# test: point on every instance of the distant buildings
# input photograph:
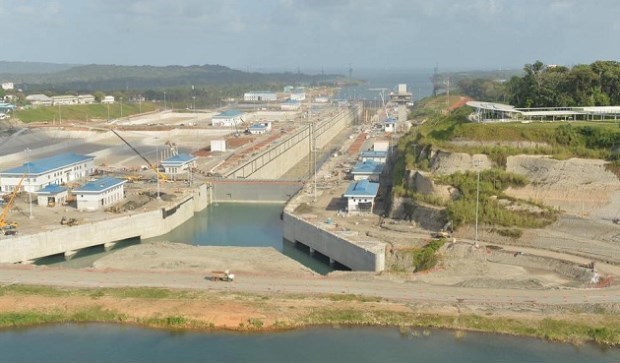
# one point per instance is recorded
(99, 193)
(39, 100)
(368, 169)
(298, 94)
(8, 86)
(64, 100)
(108, 100)
(39, 173)
(389, 124)
(228, 118)
(260, 96)
(86, 99)
(290, 105)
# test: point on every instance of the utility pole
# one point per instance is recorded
(29, 183)
(157, 169)
(477, 166)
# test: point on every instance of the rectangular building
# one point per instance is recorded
(260, 96)
(99, 193)
(290, 105)
(86, 99)
(39, 100)
(376, 156)
(361, 196)
(228, 118)
(59, 169)
(64, 100)
(368, 169)
(52, 195)
(179, 164)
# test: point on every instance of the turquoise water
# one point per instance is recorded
(112, 343)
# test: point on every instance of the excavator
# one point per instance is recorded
(160, 175)
(4, 224)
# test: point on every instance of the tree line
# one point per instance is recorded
(596, 84)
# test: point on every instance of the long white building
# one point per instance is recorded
(228, 118)
(39, 173)
(260, 96)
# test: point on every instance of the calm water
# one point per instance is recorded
(223, 224)
(418, 82)
(111, 343)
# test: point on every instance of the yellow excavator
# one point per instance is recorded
(4, 224)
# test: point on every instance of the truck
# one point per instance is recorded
(222, 276)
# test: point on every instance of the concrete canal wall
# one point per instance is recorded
(356, 255)
(254, 191)
(68, 240)
(275, 162)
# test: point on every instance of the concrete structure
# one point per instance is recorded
(367, 255)
(298, 94)
(99, 193)
(52, 195)
(260, 96)
(8, 86)
(290, 105)
(218, 145)
(64, 100)
(228, 118)
(389, 125)
(376, 156)
(499, 112)
(108, 99)
(381, 145)
(403, 99)
(368, 169)
(39, 100)
(61, 239)
(256, 191)
(276, 161)
(361, 196)
(39, 173)
(179, 164)
(86, 99)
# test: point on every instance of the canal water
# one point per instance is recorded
(223, 224)
(115, 343)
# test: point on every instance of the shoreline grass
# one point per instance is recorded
(354, 311)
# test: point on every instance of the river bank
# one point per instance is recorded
(188, 309)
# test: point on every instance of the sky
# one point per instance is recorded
(262, 35)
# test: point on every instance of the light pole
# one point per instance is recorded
(29, 182)
(59, 114)
(477, 199)
(121, 107)
(157, 168)
(164, 100)
(108, 112)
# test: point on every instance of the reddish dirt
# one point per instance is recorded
(460, 103)
(356, 146)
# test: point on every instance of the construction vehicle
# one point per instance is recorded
(4, 224)
(222, 276)
(64, 221)
(160, 175)
(445, 232)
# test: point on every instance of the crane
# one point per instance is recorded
(160, 175)
(7, 208)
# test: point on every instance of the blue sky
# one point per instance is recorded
(310, 34)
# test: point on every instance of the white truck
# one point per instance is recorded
(222, 276)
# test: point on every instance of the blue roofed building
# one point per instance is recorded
(372, 155)
(179, 164)
(37, 174)
(290, 105)
(389, 125)
(52, 195)
(369, 169)
(361, 196)
(228, 118)
(99, 193)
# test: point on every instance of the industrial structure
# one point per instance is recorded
(499, 112)
(228, 118)
(361, 196)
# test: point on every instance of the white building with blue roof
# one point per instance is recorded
(389, 125)
(58, 169)
(372, 155)
(99, 193)
(52, 195)
(369, 169)
(361, 196)
(179, 164)
(228, 118)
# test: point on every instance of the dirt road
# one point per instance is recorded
(365, 285)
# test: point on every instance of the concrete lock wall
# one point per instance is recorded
(356, 256)
(276, 161)
(254, 191)
(65, 239)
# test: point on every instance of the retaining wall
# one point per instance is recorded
(358, 256)
(65, 239)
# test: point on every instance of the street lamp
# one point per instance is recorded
(476, 164)
(157, 168)
(121, 107)
(29, 182)
(164, 100)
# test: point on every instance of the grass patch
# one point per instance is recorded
(426, 258)
(83, 112)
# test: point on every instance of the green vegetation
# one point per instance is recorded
(596, 84)
(83, 112)
(426, 258)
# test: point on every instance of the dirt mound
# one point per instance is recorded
(448, 163)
